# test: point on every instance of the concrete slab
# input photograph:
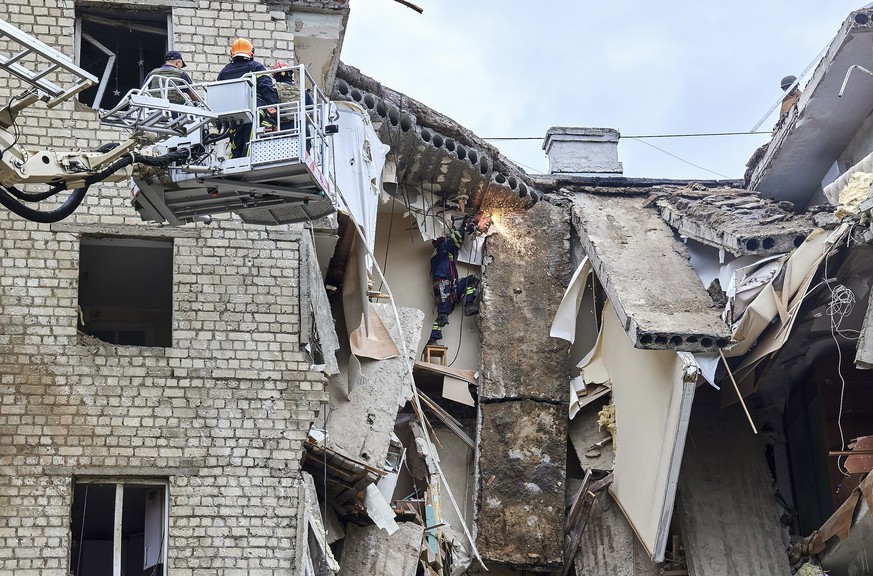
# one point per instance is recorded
(361, 427)
(727, 508)
(521, 484)
(524, 278)
(737, 221)
(370, 550)
(631, 247)
(609, 546)
(817, 131)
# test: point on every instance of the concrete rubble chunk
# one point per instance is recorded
(521, 484)
(727, 509)
(738, 223)
(361, 427)
(609, 545)
(313, 297)
(369, 550)
(523, 284)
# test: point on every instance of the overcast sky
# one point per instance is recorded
(507, 68)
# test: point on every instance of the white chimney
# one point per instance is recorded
(583, 151)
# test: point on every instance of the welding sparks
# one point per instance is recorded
(504, 216)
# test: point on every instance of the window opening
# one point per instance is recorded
(120, 47)
(119, 528)
(126, 290)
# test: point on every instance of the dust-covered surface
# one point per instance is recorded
(737, 221)
(522, 483)
(361, 426)
(524, 280)
(647, 275)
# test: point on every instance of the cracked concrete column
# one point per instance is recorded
(521, 456)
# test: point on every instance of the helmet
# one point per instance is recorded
(281, 64)
(242, 47)
(787, 82)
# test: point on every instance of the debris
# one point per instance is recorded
(606, 419)
(379, 511)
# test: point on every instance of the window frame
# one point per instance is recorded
(82, 11)
(120, 483)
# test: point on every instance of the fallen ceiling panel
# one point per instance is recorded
(631, 248)
(653, 391)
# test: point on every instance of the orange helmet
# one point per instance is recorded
(242, 47)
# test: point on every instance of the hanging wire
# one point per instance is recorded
(841, 304)
(683, 160)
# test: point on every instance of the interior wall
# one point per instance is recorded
(405, 261)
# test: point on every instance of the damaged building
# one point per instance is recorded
(638, 376)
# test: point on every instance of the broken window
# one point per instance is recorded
(119, 527)
(119, 47)
(126, 290)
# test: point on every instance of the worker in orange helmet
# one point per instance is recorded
(242, 62)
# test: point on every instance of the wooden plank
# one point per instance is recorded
(447, 419)
(578, 516)
(468, 376)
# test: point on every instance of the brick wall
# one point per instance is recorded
(221, 413)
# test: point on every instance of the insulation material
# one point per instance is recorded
(564, 324)
(653, 391)
(781, 296)
(359, 157)
(856, 191)
(833, 191)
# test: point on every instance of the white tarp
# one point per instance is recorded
(781, 296)
(653, 391)
(358, 157)
(564, 324)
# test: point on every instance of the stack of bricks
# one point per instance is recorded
(221, 413)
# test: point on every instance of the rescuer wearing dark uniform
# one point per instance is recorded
(242, 55)
(447, 287)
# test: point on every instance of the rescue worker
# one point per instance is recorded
(172, 68)
(288, 91)
(242, 54)
(791, 97)
(447, 287)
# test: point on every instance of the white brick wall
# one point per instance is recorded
(222, 413)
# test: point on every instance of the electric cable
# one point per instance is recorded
(841, 304)
(637, 137)
(683, 160)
